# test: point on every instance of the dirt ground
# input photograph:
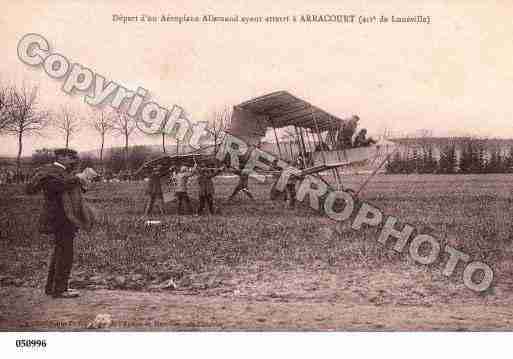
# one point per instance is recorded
(354, 301)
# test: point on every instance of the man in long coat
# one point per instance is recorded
(54, 180)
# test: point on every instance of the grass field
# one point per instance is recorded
(263, 250)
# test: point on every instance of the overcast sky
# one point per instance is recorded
(453, 76)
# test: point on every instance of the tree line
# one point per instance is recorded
(469, 156)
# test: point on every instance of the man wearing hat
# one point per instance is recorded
(54, 180)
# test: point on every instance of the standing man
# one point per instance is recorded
(361, 139)
(242, 186)
(181, 179)
(291, 184)
(291, 191)
(345, 135)
(54, 180)
(154, 191)
(206, 188)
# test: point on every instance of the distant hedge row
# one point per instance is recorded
(114, 162)
(470, 157)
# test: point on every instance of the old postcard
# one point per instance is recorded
(268, 166)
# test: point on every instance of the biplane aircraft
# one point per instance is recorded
(319, 139)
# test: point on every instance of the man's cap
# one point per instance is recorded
(65, 152)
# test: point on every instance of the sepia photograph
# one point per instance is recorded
(295, 167)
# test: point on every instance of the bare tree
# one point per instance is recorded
(123, 125)
(218, 122)
(4, 104)
(102, 123)
(26, 118)
(67, 123)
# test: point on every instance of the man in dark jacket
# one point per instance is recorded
(361, 139)
(346, 133)
(291, 190)
(54, 180)
(154, 191)
(206, 188)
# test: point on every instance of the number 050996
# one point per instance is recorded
(31, 343)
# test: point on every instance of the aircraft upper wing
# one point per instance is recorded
(251, 119)
(281, 109)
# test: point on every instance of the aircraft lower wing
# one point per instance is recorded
(311, 170)
(366, 157)
(187, 160)
(326, 167)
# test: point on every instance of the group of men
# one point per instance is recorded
(206, 187)
(204, 177)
